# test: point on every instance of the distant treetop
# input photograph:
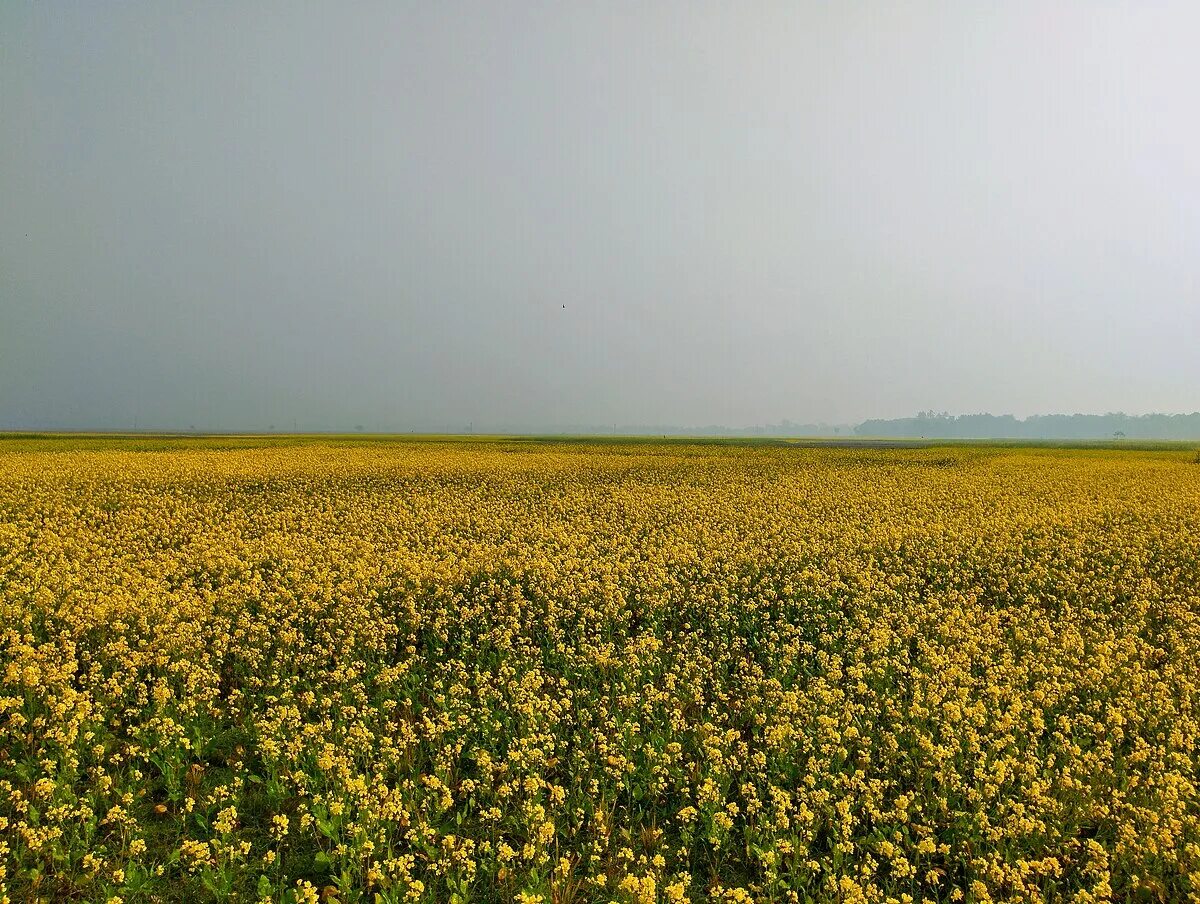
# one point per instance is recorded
(1038, 426)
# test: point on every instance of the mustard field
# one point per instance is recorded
(506, 671)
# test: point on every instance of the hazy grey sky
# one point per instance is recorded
(232, 215)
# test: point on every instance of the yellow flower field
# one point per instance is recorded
(506, 671)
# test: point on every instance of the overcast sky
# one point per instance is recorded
(320, 215)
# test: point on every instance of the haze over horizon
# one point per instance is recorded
(535, 214)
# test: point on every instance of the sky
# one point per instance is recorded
(417, 216)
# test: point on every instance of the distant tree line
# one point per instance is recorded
(1039, 426)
